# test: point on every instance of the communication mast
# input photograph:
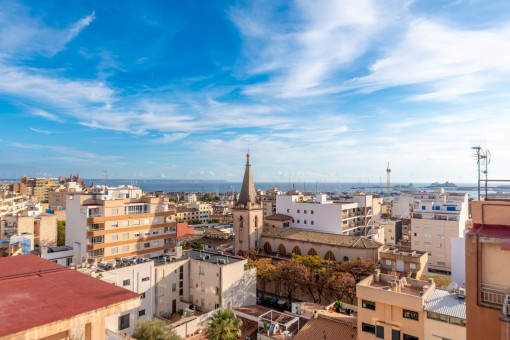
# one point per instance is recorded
(388, 202)
(482, 157)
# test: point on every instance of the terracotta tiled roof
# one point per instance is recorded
(278, 217)
(321, 328)
(318, 237)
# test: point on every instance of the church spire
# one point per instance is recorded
(248, 193)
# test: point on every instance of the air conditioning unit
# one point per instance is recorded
(462, 293)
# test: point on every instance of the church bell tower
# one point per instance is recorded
(248, 215)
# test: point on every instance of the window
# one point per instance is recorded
(288, 210)
(123, 321)
(427, 244)
(174, 287)
(305, 221)
(155, 232)
(125, 236)
(114, 224)
(125, 249)
(115, 211)
(395, 334)
(217, 290)
(440, 227)
(409, 314)
(450, 208)
(297, 221)
(453, 228)
(125, 223)
(147, 221)
(155, 243)
(311, 222)
(427, 226)
(457, 321)
(379, 332)
(412, 265)
(114, 237)
(202, 286)
(428, 235)
(141, 312)
(423, 207)
(145, 279)
(146, 244)
(440, 264)
(365, 327)
(409, 337)
(126, 282)
(137, 246)
(155, 220)
(298, 211)
(136, 234)
(143, 295)
(416, 226)
(201, 270)
(416, 234)
(416, 243)
(368, 304)
(441, 237)
(181, 292)
(114, 250)
(388, 262)
(147, 232)
(136, 222)
(304, 211)
(311, 211)
(440, 245)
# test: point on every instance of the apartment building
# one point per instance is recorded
(42, 186)
(403, 262)
(12, 203)
(269, 201)
(487, 272)
(106, 225)
(57, 197)
(337, 217)
(436, 218)
(187, 214)
(204, 210)
(43, 227)
(49, 301)
(179, 280)
(387, 231)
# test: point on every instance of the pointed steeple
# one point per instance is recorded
(248, 194)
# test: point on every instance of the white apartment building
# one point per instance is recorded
(436, 218)
(178, 281)
(191, 198)
(319, 214)
(11, 203)
(402, 206)
(204, 210)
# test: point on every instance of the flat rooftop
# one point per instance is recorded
(209, 257)
(35, 292)
(442, 302)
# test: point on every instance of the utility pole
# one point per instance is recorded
(388, 208)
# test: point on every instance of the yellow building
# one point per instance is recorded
(42, 186)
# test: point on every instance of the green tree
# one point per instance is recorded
(341, 285)
(196, 245)
(266, 271)
(154, 330)
(440, 280)
(61, 233)
(223, 325)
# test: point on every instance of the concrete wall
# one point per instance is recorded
(458, 256)
(239, 286)
(167, 276)
(76, 227)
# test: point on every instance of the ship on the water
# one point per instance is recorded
(442, 185)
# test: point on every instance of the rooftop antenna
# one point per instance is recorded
(388, 208)
(477, 155)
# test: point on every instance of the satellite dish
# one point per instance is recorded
(452, 287)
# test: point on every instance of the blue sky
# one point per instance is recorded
(318, 90)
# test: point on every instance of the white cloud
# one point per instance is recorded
(170, 138)
(452, 62)
(47, 115)
(42, 131)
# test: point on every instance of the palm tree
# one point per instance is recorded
(223, 325)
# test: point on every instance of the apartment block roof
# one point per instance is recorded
(320, 237)
(213, 258)
(35, 292)
(440, 301)
(325, 328)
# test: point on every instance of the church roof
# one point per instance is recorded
(319, 237)
(278, 217)
(248, 193)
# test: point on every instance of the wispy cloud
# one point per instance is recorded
(42, 131)
(64, 150)
(47, 115)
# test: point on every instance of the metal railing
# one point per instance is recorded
(493, 294)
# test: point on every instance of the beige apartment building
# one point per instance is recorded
(487, 271)
(408, 309)
(103, 227)
(436, 218)
(42, 186)
(405, 263)
(43, 227)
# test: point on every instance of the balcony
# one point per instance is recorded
(96, 253)
(493, 295)
(95, 227)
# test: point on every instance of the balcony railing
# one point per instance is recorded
(493, 294)
(95, 227)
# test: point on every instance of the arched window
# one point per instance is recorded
(267, 248)
(256, 222)
(312, 252)
(329, 256)
(281, 249)
(296, 250)
(241, 222)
